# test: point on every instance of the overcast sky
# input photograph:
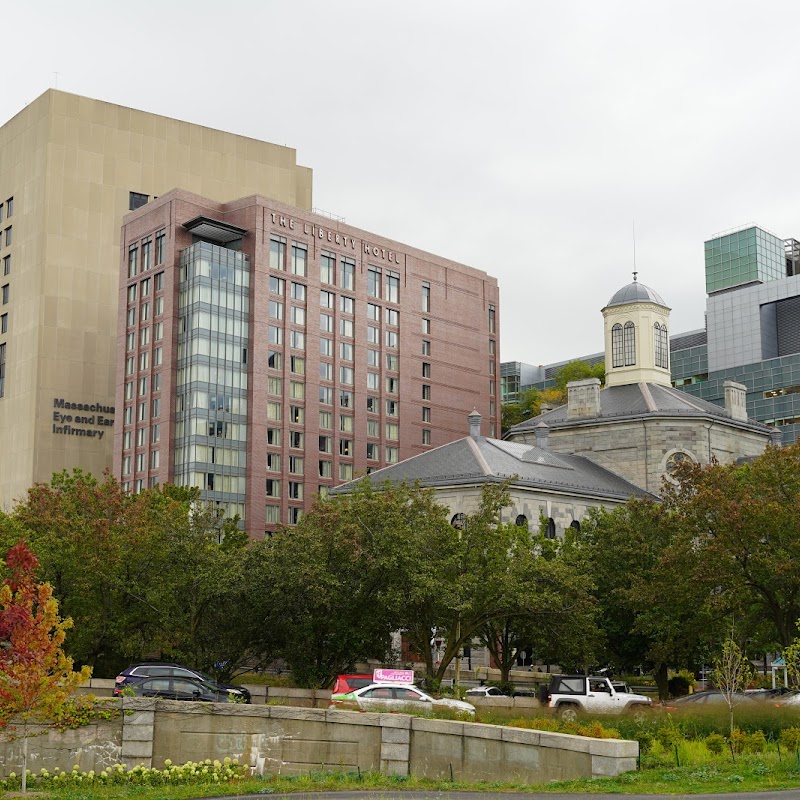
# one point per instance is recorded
(521, 138)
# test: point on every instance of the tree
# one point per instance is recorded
(526, 407)
(36, 676)
(732, 673)
(578, 371)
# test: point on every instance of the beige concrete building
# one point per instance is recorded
(70, 169)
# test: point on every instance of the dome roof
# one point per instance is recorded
(635, 293)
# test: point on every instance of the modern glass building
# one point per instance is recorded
(740, 257)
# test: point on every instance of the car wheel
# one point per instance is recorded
(568, 713)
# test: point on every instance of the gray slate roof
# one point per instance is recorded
(640, 400)
(481, 460)
(633, 293)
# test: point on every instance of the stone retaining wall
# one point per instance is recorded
(283, 740)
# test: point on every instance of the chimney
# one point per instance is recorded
(583, 399)
(776, 437)
(735, 399)
(474, 424)
(541, 431)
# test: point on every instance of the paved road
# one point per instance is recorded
(393, 794)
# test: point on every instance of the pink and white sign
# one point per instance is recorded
(393, 676)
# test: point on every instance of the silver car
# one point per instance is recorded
(397, 697)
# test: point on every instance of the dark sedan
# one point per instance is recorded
(163, 669)
(171, 688)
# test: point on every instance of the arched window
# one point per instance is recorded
(459, 521)
(629, 339)
(521, 521)
(661, 345)
(617, 358)
(575, 525)
(550, 531)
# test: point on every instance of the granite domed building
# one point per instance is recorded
(639, 426)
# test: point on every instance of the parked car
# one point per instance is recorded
(162, 669)
(485, 691)
(570, 694)
(397, 697)
(710, 697)
(349, 683)
(179, 688)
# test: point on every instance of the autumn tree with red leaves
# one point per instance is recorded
(36, 677)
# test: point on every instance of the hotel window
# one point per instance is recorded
(144, 361)
(325, 419)
(327, 299)
(373, 428)
(391, 339)
(147, 252)
(298, 315)
(617, 357)
(144, 337)
(273, 487)
(373, 335)
(9, 207)
(326, 469)
(426, 436)
(492, 347)
(392, 408)
(295, 514)
(275, 386)
(7, 265)
(141, 412)
(392, 431)
(275, 309)
(4, 323)
(158, 331)
(326, 394)
(159, 281)
(373, 282)
(142, 388)
(297, 365)
(326, 444)
(274, 410)
(373, 381)
(629, 343)
(346, 328)
(295, 490)
(373, 312)
(2, 369)
(392, 385)
(345, 423)
(426, 391)
(426, 347)
(347, 273)
(392, 287)
(130, 363)
(392, 455)
(326, 347)
(277, 285)
(297, 340)
(346, 304)
(346, 375)
(299, 292)
(154, 459)
(130, 341)
(491, 366)
(491, 407)
(492, 319)
(372, 405)
(8, 236)
(327, 268)
(373, 451)
(299, 259)
(345, 399)
(426, 297)
(140, 437)
(1, 212)
(297, 415)
(373, 358)
(345, 447)
(297, 390)
(160, 239)
(426, 369)
(133, 260)
(156, 407)
(274, 435)
(426, 326)
(296, 465)
(326, 323)
(345, 351)
(126, 465)
(126, 440)
(275, 359)
(144, 312)
(296, 439)
(158, 306)
(345, 472)
(158, 354)
(426, 414)
(272, 515)
(155, 433)
(132, 293)
(128, 415)
(392, 317)
(277, 252)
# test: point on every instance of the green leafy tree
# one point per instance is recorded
(732, 673)
(36, 677)
(578, 371)
(527, 407)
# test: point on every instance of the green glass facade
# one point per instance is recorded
(748, 256)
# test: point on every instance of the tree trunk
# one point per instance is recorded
(662, 679)
(25, 756)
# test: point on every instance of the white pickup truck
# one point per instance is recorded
(570, 695)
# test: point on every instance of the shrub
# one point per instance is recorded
(790, 739)
(756, 742)
(668, 737)
(715, 743)
(645, 740)
(679, 685)
(738, 739)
